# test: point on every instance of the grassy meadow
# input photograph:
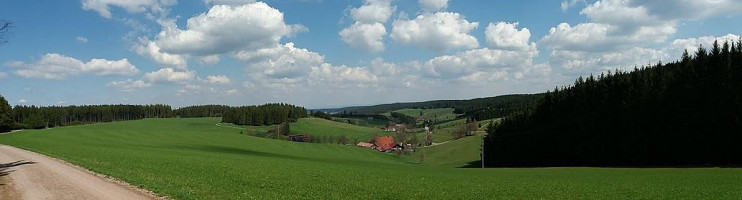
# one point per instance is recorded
(195, 159)
(317, 127)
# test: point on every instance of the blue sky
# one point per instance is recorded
(322, 53)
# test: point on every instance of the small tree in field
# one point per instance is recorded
(414, 141)
(471, 126)
(342, 139)
(402, 135)
(460, 133)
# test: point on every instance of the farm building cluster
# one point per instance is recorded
(384, 144)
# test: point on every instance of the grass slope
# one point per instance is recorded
(361, 121)
(318, 127)
(194, 159)
(457, 153)
(322, 127)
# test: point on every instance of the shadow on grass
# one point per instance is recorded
(473, 164)
(247, 152)
(5, 167)
(230, 150)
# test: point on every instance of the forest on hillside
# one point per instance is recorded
(267, 114)
(32, 117)
(684, 113)
(480, 108)
(201, 111)
(36, 117)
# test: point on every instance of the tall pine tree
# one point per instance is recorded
(6, 115)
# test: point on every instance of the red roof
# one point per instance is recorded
(384, 143)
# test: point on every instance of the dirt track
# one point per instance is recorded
(29, 175)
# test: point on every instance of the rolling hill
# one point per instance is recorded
(195, 159)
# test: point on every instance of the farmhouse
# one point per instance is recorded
(384, 144)
(392, 127)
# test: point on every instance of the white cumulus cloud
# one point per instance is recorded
(169, 75)
(373, 11)
(58, 67)
(129, 85)
(280, 62)
(566, 4)
(439, 32)
(226, 29)
(479, 64)
(209, 60)
(368, 31)
(220, 79)
(433, 5)
(365, 36)
(624, 24)
(152, 51)
(131, 6)
(506, 36)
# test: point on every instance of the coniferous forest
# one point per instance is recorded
(267, 114)
(32, 117)
(201, 111)
(684, 113)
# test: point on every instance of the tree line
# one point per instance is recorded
(201, 111)
(267, 114)
(399, 118)
(684, 113)
(34, 117)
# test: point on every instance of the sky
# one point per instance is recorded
(334, 53)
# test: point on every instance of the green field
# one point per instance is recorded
(459, 153)
(318, 127)
(362, 121)
(322, 127)
(195, 159)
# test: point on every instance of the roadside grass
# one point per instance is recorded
(194, 159)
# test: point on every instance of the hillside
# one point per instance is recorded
(685, 113)
(318, 127)
(321, 130)
(195, 159)
(504, 103)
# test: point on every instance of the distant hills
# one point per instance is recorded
(485, 107)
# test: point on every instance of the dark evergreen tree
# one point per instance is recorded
(268, 114)
(6, 116)
(676, 114)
